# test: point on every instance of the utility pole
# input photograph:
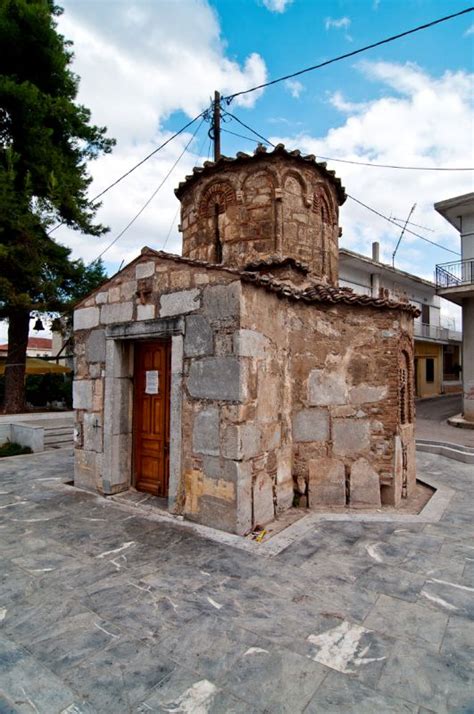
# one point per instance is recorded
(216, 126)
(401, 234)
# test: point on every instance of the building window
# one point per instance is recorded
(429, 375)
(425, 314)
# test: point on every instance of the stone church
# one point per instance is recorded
(238, 380)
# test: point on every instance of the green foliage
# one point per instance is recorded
(42, 389)
(11, 448)
(46, 138)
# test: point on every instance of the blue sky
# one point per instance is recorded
(147, 66)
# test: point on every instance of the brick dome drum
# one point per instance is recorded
(279, 204)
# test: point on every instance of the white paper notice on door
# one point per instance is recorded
(152, 381)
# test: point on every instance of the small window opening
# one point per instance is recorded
(217, 237)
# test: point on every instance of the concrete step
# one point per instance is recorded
(58, 432)
(58, 437)
(458, 452)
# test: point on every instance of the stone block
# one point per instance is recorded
(198, 337)
(241, 441)
(145, 270)
(350, 436)
(249, 343)
(221, 302)
(180, 302)
(101, 298)
(82, 394)
(87, 467)
(326, 388)
(263, 506)
(365, 393)
(128, 290)
(92, 432)
(206, 432)
(216, 513)
(86, 317)
(244, 498)
(311, 425)
(177, 355)
(146, 312)
(215, 378)
(117, 312)
(95, 346)
(327, 483)
(364, 485)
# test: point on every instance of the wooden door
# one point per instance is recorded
(151, 421)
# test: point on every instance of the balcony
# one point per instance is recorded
(435, 332)
(455, 281)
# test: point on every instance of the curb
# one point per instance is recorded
(458, 452)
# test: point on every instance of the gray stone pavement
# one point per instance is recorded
(431, 416)
(106, 610)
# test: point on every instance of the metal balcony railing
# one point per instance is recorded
(436, 332)
(452, 275)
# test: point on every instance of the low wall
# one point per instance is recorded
(28, 435)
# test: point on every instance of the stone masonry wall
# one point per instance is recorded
(337, 403)
(213, 393)
(265, 207)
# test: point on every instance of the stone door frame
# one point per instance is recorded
(118, 401)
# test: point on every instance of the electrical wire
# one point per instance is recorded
(200, 150)
(373, 210)
(241, 136)
(392, 166)
(345, 161)
(127, 173)
(249, 128)
(407, 230)
(385, 41)
(149, 200)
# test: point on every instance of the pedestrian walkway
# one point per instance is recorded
(105, 610)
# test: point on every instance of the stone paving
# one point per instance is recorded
(106, 610)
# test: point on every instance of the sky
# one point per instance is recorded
(149, 66)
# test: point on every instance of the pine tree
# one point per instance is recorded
(46, 139)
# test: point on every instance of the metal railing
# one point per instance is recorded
(449, 275)
(436, 332)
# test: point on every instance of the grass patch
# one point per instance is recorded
(11, 448)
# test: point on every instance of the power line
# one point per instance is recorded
(392, 166)
(385, 41)
(390, 220)
(127, 173)
(170, 171)
(200, 150)
(407, 230)
(241, 136)
(249, 128)
(345, 161)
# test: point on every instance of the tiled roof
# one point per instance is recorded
(274, 261)
(34, 343)
(211, 167)
(315, 293)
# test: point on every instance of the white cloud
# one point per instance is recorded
(139, 65)
(294, 87)
(469, 31)
(417, 120)
(339, 102)
(277, 5)
(341, 23)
